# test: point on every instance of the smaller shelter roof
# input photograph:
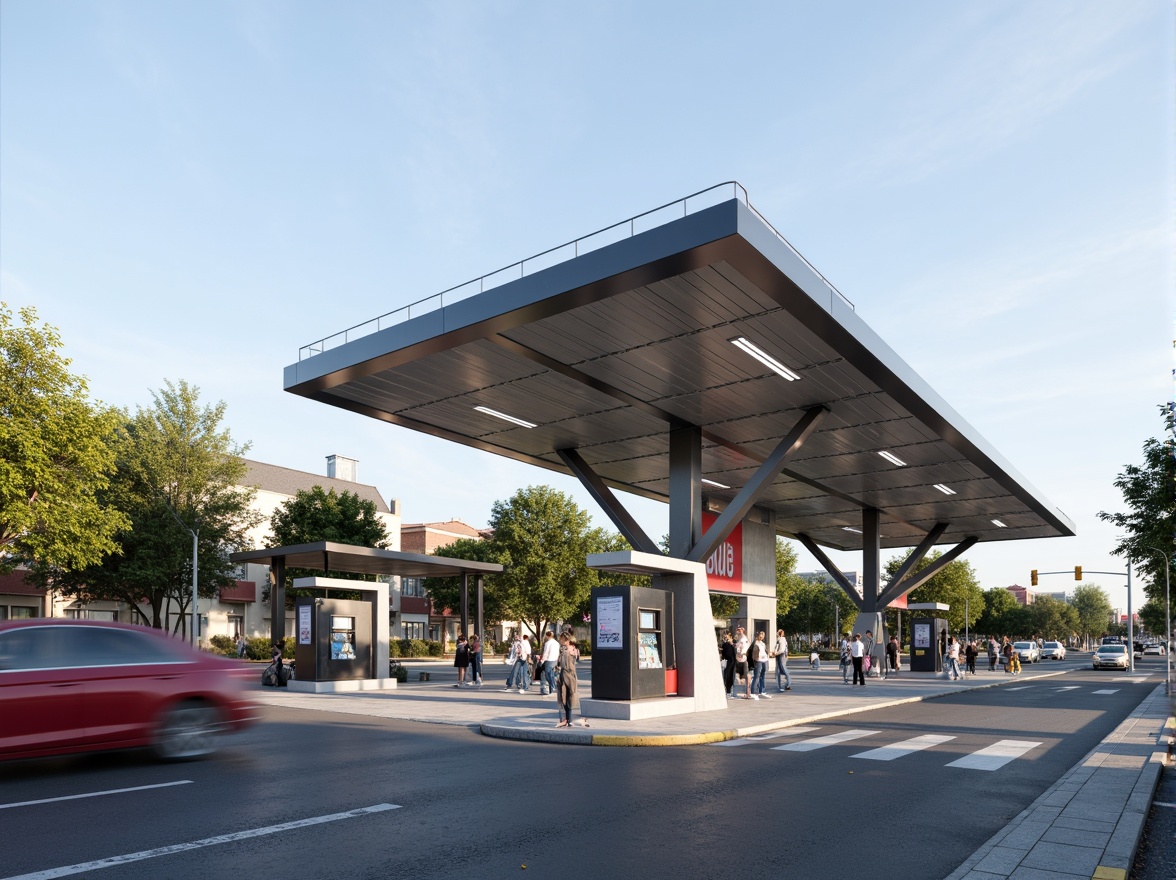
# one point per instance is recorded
(331, 556)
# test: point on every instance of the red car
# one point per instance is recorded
(83, 685)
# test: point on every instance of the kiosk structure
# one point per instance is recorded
(690, 354)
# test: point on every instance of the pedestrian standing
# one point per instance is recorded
(548, 659)
(759, 655)
(242, 645)
(846, 662)
(993, 653)
(741, 647)
(857, 652)
(727, 661)
(870, 665)
(892, 648)
(970, 656)
(567, 684)
(953, 658)
(780, 652)
(474, 678)
(461, 659)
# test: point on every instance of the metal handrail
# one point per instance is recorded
(577, 247)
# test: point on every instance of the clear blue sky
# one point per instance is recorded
(193, 190)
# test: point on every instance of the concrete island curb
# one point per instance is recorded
(580, 736)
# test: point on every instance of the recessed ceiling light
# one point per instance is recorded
(946, 490)
(999, 524)
(504, 416)
(764, 358)
(849, 529)
(713, 483)
(892, 458)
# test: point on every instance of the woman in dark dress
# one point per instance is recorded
(461, 660)
(566, 683)
(727, 652)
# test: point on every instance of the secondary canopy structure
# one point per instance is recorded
(330, 556)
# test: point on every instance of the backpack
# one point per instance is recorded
(753, 652)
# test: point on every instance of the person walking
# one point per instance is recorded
(727, 661)
(857, 652)
(474, 678)
(970, 657)
(953, 658)
(461, 659)
(815, 659)
(520, 652)
(846, 662)
(567, 685)
(892, 648)
(780, 652)
(759, 656)
(548, 659)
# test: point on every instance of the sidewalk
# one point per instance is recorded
(1088, 823)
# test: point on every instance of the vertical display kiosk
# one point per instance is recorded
(927, 634)
(334, 639)
(632, 643)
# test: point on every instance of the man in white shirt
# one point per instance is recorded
(856, 652)
(953, 658)
(548, 658)
(741, 669)
(780, 652)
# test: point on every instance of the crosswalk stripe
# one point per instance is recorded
(995, 756)
(1108, 691)
(1023, 687)
(820, 742)
(906, 747)
(744, 740)
(1072, 687)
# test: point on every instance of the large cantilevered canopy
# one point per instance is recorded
(331, 556)
(607, 345)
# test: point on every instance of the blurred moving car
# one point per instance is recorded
(83, 685)
(1028, 652)
(1053, 651)
(1111, 657)
(1154, 648)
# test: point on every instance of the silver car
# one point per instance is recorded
(1111, 657)
(1053, 651)
(1027, 651)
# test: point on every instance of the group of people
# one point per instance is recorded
(746, 661)
(860, 658)
(553, 665)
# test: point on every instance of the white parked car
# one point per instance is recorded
(1053, 651)
(1156, 649)
(1027, 651)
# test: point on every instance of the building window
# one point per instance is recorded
(20, 612)
(90, 614)
(412, 587)
(413, 630)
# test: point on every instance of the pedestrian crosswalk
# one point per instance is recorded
(990, 757)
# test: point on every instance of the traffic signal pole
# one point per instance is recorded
(1035, 574)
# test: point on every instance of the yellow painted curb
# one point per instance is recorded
(1104, 873)
(682, 740)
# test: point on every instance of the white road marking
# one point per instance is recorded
(90, 794)
(820, 742)
(744, 740)
(1108, 691)
(51, 873)
(1072, 687)
(906, 747)
(1023, 687)
(995, 756)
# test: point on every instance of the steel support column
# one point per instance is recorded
(915, 581)
(685, 490)
(480, 630)
(871, 559)
(834, 572)
(603, 495)
(278, 599)
(465, 604)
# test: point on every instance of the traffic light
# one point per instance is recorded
(1077, 572)
(1033, 578)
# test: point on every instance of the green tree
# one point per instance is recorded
(788, 582)
(542, 539)
(1148, 526)
(813, 609)
(1052, 619)
(955, 583)
(56, 454)
(1093, 607)
(318, 515)
(1000, 613)
(177, 472)
(446, 592)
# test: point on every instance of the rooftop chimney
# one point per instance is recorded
(340, 468)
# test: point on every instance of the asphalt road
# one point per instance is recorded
(281, 800)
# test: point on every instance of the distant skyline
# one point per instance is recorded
(195, 190)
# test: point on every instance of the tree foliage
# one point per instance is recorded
(446, 592)
(1148, 525)
(788, 582)
(318, 515)
(1001, 613)
(56, 454)
(178, 472)
(1093, 609)
(1052, 619)
(815, 607)
(955, 585)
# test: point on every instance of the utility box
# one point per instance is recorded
(335, 638)
(632, 643)
(927, 635)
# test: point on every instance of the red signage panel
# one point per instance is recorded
(724, 568)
